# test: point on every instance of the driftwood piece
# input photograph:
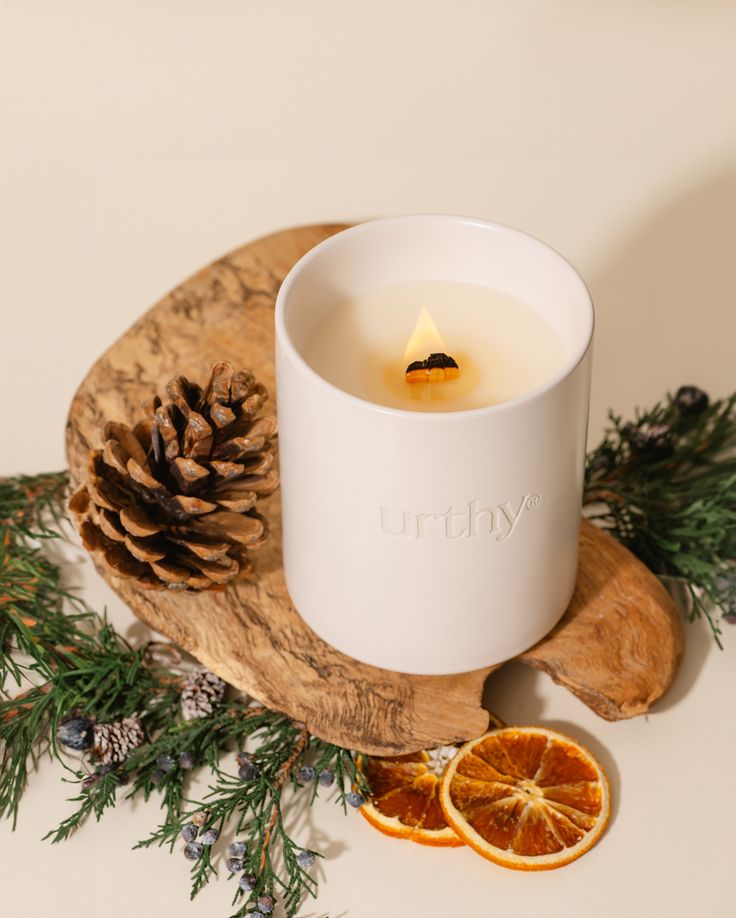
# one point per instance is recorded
(617, 647)
(619, 644)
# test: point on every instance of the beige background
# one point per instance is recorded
(141, 139)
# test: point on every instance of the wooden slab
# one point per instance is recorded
(617, 648)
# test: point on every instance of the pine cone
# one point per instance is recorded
(115, 741)
(171, 503)
(201, 692)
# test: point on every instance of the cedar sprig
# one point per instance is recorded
(665, 485)
(253, 808)
(37, 616)
(25, 733)
(94, 798)
(41, 627)
(33, 504)
(341, 763)
(203, 740)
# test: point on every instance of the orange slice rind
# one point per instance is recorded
(527, 798)
(404, 801)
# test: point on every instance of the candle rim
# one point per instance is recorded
(284, 339)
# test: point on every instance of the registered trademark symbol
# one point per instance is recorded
(533, 501)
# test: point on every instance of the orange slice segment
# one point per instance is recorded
(528, 798)
(404, 801)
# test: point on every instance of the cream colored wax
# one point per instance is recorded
(503, 347)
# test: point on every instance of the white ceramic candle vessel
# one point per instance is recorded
(421, 541)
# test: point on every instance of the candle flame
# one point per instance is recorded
(425, 339)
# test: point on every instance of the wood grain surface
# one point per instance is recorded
(617, 647)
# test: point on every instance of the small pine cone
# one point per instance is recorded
(201, 692)
(172, 502)
(115, 741)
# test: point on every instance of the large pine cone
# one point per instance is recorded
(171, 503)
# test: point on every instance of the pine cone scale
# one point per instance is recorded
(257, 465)
(137, 522)
(79, 502)
(235, 527)
(263, 484)
(220, 572)
(93, 538)
(211, 551)
(103, 492)
(110, 525)
(188, 473)
(194, 506)
(170, 572)
(153, 491)
(115, 456)
(166, 434)
(122, 563)
(145, 479)
(238, 503)
(232, 489)
(145, 549)
(124, 438)
(218, 386)
(227, 470)
(223, 418)
(238, 448)
(198, 437)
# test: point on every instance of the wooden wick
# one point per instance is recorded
(436, 368)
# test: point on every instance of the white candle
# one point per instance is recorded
(503, 346)
(436, 525)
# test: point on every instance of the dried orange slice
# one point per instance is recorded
(404, 796)
(526, 797)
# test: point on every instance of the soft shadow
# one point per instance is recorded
(512, 693)
(699, 644)
(69, 556)
(138, 633)
(299, 822)
(665, 299)
(665, 302)
(269, 559)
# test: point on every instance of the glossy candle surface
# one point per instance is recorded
(503, 346)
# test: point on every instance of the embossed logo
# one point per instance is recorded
(470, 522)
